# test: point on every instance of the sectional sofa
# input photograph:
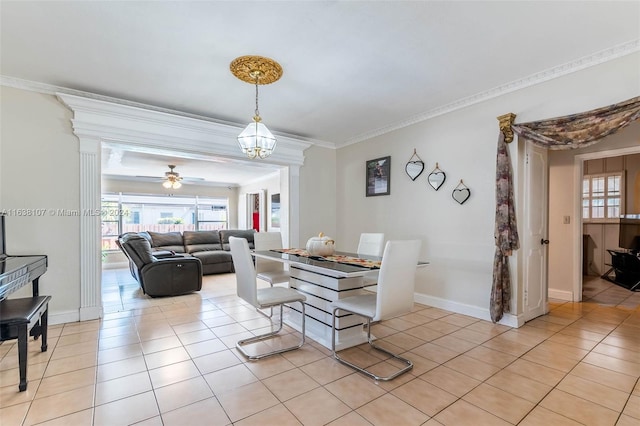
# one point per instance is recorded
(211, 247)
(170, 264)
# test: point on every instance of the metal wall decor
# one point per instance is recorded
(414, 167)
(436, 178)
(461, 193)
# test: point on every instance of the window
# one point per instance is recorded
(211, 214)
(110, 223)
(602, 197)
(135, 213)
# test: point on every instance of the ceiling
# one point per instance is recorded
(144, 165)
(352, 69)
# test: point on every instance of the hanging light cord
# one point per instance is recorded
(257, 111)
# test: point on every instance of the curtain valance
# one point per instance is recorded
(582, 129)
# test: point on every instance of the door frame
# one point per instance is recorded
(526, 239)
(578, 249)
(262, 209)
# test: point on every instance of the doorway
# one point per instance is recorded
(595, 237)
(565, 251)
(256, 211)
(142, 127)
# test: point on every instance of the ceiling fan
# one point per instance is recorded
(172, 178)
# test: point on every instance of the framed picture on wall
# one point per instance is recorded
(378, 177)
(275, 210)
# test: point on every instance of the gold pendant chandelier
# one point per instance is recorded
(256, 141)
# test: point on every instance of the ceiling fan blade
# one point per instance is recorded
(150, 177)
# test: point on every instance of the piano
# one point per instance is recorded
(19, 316)
(18, 271)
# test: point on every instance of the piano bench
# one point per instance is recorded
(17, 317)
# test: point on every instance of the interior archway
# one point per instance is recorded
(96, 121)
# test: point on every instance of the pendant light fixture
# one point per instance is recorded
(256, 141)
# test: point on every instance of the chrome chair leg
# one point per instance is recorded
(270, 315)
(408, 363)
(271, 334)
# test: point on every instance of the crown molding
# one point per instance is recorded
(584, 62)
(50, 89)
(144, 128)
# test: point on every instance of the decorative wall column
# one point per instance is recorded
(90, 238)
(294, 206)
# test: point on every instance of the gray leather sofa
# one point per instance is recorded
(158, 275)
(211, 247)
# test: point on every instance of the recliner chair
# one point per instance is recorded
(164, 276)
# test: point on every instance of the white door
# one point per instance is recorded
(534, 241)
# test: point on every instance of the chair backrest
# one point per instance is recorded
(267, 241)
(397, 278)
(246, 284)
(371, 244)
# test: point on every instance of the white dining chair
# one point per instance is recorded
(396, 287)
(270, 271)
(247, 289)
(370, 244)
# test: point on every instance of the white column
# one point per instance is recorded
(90, 242)
(294, 205)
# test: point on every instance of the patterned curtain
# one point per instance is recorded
(580, 130)
(568, 132)
(505, 234)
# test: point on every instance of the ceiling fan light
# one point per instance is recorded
(172, 178)
(256, 140)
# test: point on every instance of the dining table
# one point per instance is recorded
(324, 279)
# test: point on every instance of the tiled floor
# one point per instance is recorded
(172, 361)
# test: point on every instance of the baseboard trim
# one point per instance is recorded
(567, 296)
(63, 317)
(90, 313)
(509, 320)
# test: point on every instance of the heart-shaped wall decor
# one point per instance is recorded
(461, 195)
(436, 179)
(414, 169)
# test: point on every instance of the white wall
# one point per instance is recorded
(458, 239)
(39, 170)
(318, 182)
